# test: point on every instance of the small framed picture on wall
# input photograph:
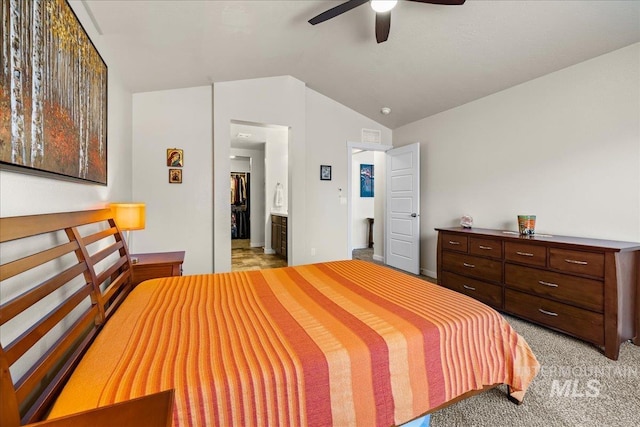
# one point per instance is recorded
(366, 180)
(175, 176)
(325, 173)
(175, 157)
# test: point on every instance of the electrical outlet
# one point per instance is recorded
(313, 251)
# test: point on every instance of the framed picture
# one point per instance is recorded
(325, 173)
(175, 157)
(175, 176)
(366, 180)
(53, 94)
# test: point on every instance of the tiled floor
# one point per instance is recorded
(244, 257)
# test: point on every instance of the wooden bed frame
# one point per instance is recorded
(89, 241)
(31, 396)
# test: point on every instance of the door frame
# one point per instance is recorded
(220, 240)
(365, 146)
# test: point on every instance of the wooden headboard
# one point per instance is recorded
(61, 277)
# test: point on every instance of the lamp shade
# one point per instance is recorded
(129, 216)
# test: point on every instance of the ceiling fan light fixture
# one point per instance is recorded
(382, 9)
(382, 6)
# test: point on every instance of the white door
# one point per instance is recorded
(402, 236)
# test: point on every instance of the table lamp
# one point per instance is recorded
(129, 216)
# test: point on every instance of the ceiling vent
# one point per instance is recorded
(371, 136)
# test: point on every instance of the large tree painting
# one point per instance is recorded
(53, 92)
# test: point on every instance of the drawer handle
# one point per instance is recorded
(451, 242)
(573, 261)
(548, 313)
(524, 253)
(468, 265)
(486, 248)
(552, 285)
(471, 288)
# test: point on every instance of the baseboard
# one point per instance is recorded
(269, 251)
(378, 258)
(428, 273)
(257, 245)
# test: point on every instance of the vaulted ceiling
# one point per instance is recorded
(436, 57)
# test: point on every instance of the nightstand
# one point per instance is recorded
(155, 265)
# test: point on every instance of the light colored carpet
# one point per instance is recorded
(577, 386)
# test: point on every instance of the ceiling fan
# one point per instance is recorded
(382, 9)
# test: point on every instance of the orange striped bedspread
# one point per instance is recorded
(345, 343)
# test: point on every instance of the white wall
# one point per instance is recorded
(22, 194)
(277, 168)
(361, 207)
(242, 164)
(329, 126)
(319, 129)
(565, 147)
(179, 216)
(276, 172)
(380, 204)
(273, 100)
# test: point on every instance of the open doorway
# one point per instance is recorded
(258, 166)
(366, 201)
(396, 239)
(363, 196)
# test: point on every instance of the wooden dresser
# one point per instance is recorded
(279, 234)
(587, 288)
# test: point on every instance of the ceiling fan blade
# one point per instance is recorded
(335, 11)
(383, 25)
(443, 2)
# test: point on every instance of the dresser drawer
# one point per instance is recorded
(589, 263)
(482, 291)
(526, 254)
(485, 247)
(586, 293)
(454, 242)
(575, 321)
(474, 266)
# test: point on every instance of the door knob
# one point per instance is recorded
(413, 215)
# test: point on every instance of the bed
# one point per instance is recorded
(337, 343)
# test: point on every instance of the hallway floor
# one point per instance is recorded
(244, 257)
(366, 254)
